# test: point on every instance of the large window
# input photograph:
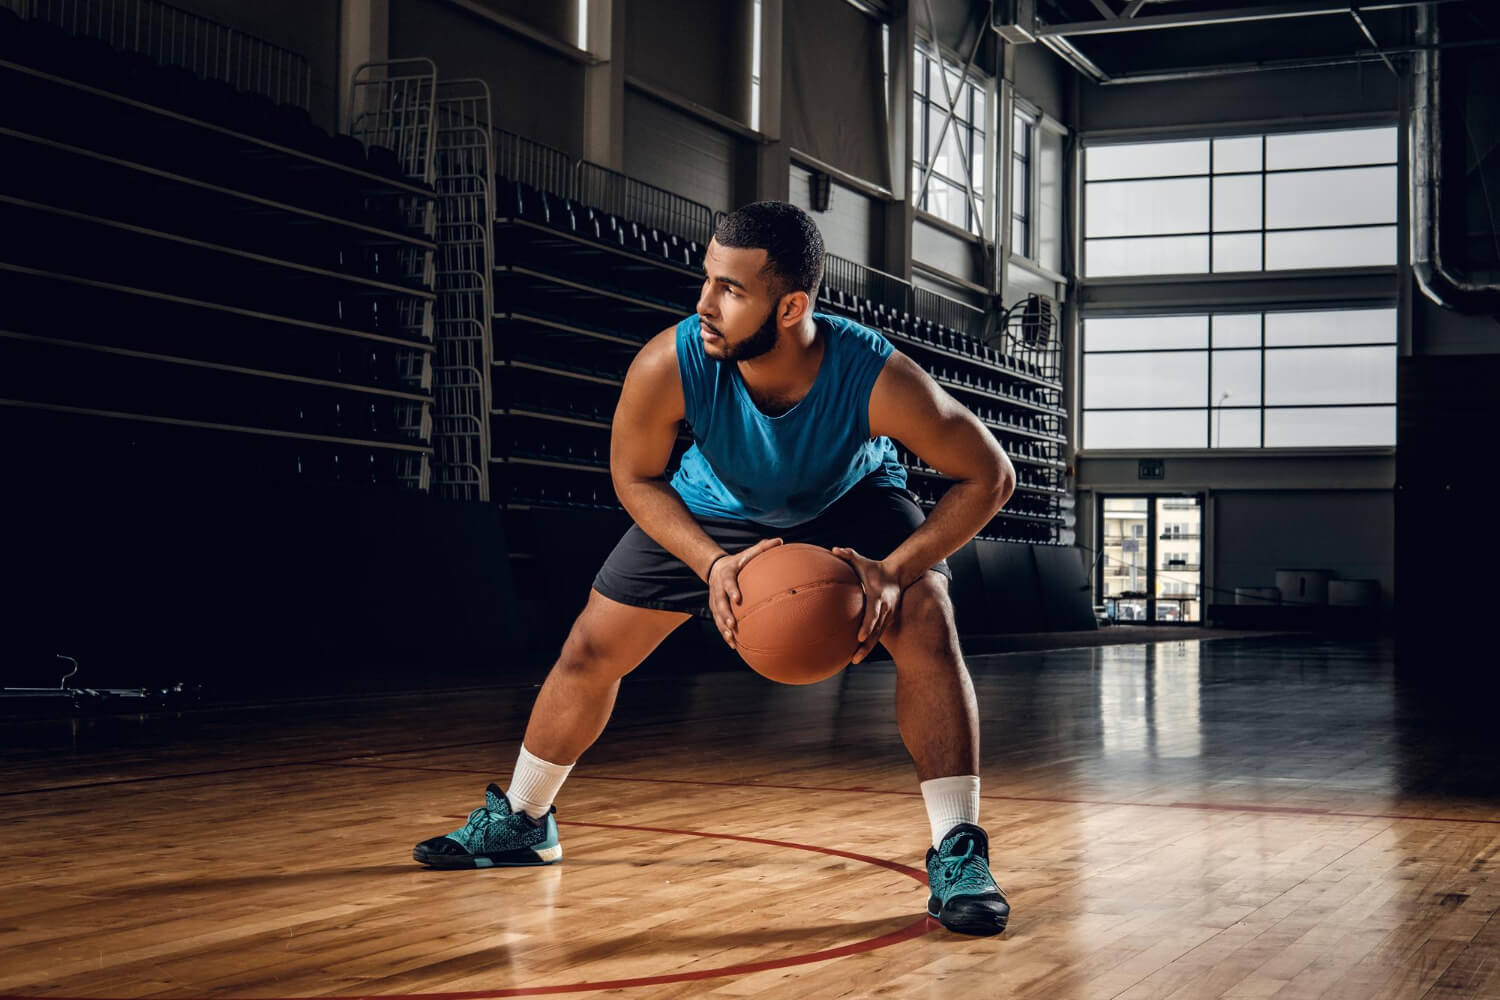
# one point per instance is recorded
(1325, 378)
(949, 151)
(1023, 144)
(1247, 203)
(1036, 188)
(755, 57)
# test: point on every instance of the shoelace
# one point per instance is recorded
(484, 817)
(961, 873)
(480, 824)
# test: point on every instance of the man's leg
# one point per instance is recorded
(607, 641)
(935, 707)
(939, 722)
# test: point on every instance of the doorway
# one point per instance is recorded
(1149, 569)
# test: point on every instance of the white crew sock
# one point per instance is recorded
(951, 801)
(534, 784)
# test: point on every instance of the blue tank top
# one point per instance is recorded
(782, 471)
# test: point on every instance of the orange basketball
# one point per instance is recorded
(803, 606)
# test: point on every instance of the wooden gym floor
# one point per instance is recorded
(1284, 817)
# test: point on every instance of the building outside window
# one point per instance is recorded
(948, 165)
(1150, 576)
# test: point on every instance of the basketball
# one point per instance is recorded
(803, 608)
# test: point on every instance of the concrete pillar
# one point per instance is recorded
(364, 37)
(604, 85)
(896, 242)
(763, 166)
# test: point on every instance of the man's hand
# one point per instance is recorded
(724, 587)
(882, 598)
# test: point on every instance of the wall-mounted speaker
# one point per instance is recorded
(822, 190)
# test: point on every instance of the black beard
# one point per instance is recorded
(758, 343)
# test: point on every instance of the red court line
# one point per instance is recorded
(864, 790)
(895, 866)
(915, 929)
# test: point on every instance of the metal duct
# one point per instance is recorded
(1447, 282)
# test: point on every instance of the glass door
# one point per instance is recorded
(1178, 560)
(1150, 568)
(1125, 567)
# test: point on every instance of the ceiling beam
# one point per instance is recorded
(1275, 65)
(1068, 53)
(1354, 13)
(1308, 8)
(1104, 9)
(1132, 8)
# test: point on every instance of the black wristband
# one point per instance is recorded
(710, 571)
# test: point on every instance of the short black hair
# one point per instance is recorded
(788, 235)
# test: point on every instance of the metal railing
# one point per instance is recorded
(553, 171)
(868, 283)
(464, 181)
(393, 104)
(535, 164)
(172, 36)
(642, 203)
(898, 294)
(955, 315)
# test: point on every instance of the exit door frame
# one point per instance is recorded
(1203, 549)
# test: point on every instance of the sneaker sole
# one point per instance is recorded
(458, 862)
(979, 926)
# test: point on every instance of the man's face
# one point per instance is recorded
(735, 307)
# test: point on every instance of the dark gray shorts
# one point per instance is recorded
(871, 520)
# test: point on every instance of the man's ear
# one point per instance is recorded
(793, 306)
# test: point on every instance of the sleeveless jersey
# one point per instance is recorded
(782, 471)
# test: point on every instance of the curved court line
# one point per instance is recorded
(895, 866)
(915, 929)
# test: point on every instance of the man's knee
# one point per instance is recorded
(584, 648)
(592, 650)
(926, 612)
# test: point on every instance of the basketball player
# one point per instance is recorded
(792, 416)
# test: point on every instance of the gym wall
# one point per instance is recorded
(535, 91)
(673, 150)
(851, 226)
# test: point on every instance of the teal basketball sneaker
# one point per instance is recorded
(494, 837)
(964, 894)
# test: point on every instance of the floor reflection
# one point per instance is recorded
(1149, 699)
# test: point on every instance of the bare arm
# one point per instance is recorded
(640, 446)
(906, 404)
